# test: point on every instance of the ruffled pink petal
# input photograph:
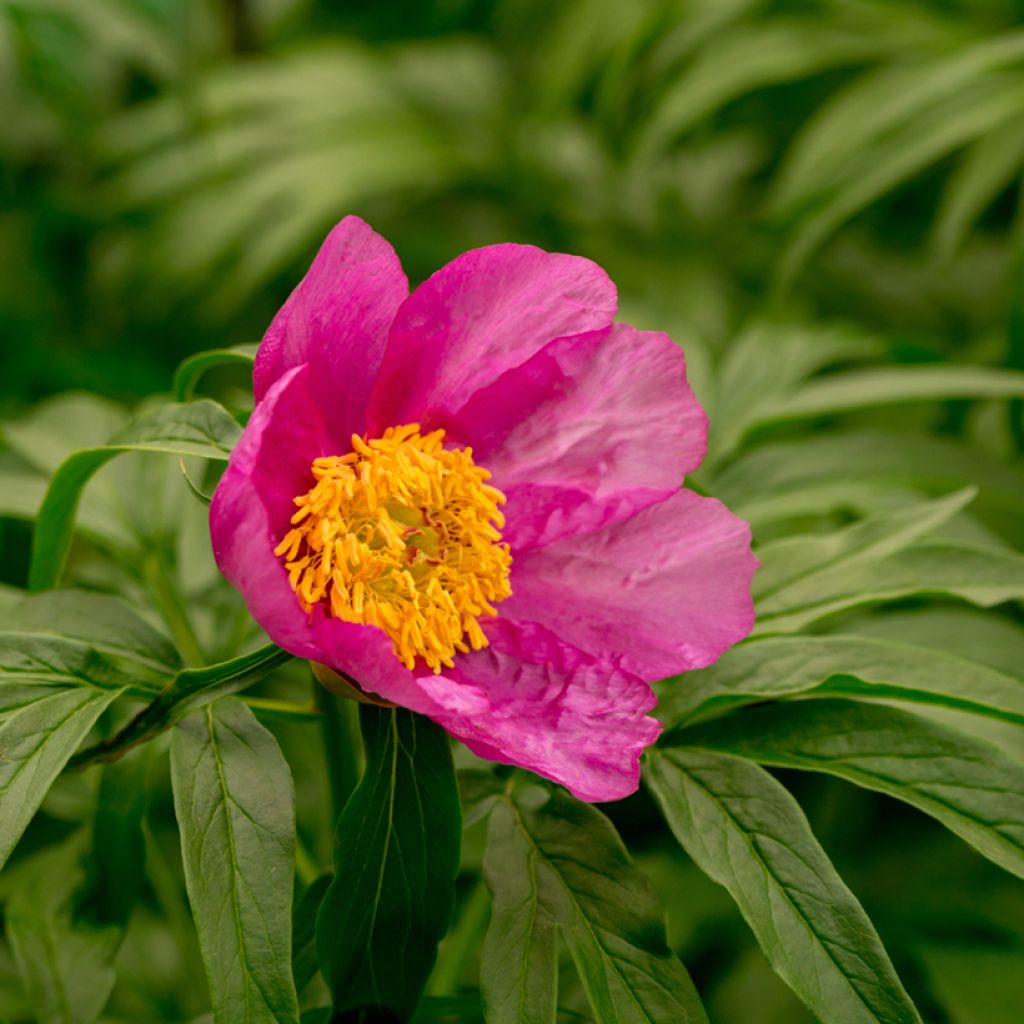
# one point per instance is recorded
(337, 320)
(485, 312)
(587, 432)
(665, 591)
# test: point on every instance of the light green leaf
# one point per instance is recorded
(970, 786)
(982, 576)
(189, 372)
(234, 801)
(562, 866)
(745, 831)
(976, 984)
(201, 428)
(837, 665)
(37, 741)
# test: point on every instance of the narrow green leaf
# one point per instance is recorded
(980, 575)
(37, 741)
(744, 830)
(967, 784)
(396, 857)
(234, 801)
(202, 429)
(190, 370)
(893, 385)
(562, 866)
(792, 565)
(838, 665)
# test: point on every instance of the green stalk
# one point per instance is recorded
(169, 604)
(342, 746)
(462, 943)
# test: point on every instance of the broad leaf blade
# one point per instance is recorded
(234, 800)
(970, 786)
(395, 862)
(745, 831)
(202, 429)
(563, 865)
(37, 740)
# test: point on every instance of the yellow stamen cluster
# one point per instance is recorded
(403, 534)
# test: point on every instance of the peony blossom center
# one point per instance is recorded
(403, 534)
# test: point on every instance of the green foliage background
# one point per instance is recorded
(820, 200)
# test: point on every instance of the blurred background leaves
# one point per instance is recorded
(819, 199)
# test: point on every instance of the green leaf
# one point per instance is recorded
(976, 984)
(202, 429)
(187, 376)
(561, 867)
(396, 858)
(980, 575)
(37, 741)
(106, 623)
(967, 784)
(838, 665)
(745, 831)
(234, 801)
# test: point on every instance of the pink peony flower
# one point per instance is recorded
(468, 500)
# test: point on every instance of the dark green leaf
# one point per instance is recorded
(234, 800)
(745, 831)
(202, 429)
(37, 740)
(838, 665)
(562, 867)
(967, 784)
(395, 861)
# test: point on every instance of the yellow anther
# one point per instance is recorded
(402, 534)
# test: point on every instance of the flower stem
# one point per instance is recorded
(342, 746)
(169, 604)
(462, 943)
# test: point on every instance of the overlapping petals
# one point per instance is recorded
(618, 576)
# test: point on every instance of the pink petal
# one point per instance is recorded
(337, 319)
(587, 432)
(485, 312)
(665, 591)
